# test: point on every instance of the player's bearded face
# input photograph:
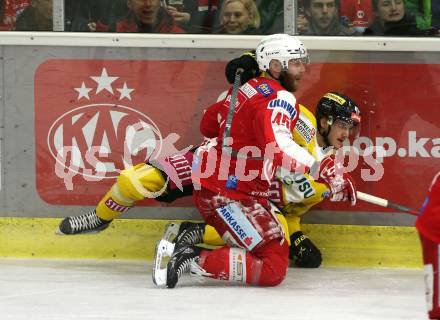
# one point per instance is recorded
(291, 77)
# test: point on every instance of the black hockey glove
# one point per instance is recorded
(303, 252)
(249, 65)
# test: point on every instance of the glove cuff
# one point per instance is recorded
(296, 238)
(296, 234)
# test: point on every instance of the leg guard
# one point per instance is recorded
(133, 184)
(266, 266)
(262, 258)
(246, 223)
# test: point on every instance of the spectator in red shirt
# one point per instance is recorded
(357, 14)
(10, 10)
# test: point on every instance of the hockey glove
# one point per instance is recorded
(246, 62)
(341, 184)
(303, 252)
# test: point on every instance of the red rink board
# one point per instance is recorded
(90, 105)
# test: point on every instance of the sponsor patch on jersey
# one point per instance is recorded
(305, 129)
(326, 194)
(232, 182)
(237, 265)
(260, 194)
(275, 191)
(304, 186)
(239, 225)
(114, 206)
(248, 90)
(227, 101)
(298, 187)
(241, 99)
(265, 89)
(280, 103)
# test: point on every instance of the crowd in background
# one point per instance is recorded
(247, 17)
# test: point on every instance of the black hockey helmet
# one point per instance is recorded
(338, 107)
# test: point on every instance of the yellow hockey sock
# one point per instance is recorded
(133, 184)
(113, 204)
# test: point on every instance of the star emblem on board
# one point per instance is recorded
(103, 82)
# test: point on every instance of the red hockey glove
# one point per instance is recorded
(341, 184)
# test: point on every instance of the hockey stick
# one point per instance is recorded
(230, 116)
(385, 203)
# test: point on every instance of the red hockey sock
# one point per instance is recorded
(265, 266)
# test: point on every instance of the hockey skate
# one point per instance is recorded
(85, 223)
(184, 233)
(183, 260)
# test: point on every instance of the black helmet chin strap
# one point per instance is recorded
(327, 132)
(325, 137)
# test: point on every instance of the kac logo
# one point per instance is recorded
(94, 140)
(99, 139)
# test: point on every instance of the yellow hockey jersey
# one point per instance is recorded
(296, 193)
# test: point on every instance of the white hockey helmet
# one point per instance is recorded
(281, 47)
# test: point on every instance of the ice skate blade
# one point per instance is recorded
(171, 231)
(163, 249)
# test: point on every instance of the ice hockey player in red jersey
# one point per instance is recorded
(428, 225)
(231, 176)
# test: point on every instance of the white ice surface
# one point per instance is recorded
(62, 290)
